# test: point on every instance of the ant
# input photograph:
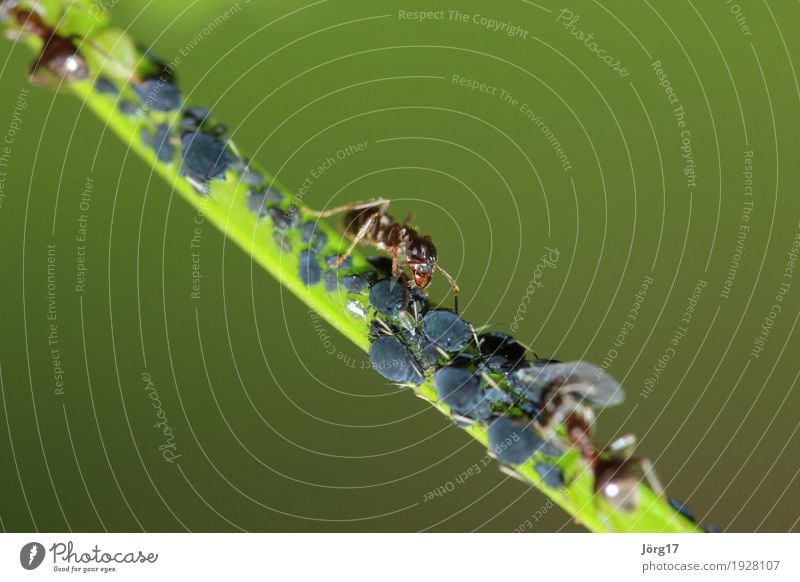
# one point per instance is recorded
(371, 222)
(569, 401)
(59, 55)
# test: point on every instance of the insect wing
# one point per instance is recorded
(586, 381)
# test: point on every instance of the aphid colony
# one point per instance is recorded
(531, 408)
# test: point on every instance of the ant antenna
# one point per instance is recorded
(452, 284)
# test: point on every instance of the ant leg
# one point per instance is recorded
(362, 232)
(394, 263)
(452, 284)
(348, 207)
(649, 473)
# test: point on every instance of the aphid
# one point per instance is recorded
(513, 441)
(430, 355)
(551, 475)
(381, 264)
(312, 236)
(157, 94)
(388, 296)
(458, 388)
(354, 283)
(104, 86)
(370, 222)
(330, 281)
(419, 301)
(257, 200)
(308, 268)
(379, 328)
(204, 156)
(446, 329)
(251, 177)
(129, 108)
(712, 528)
(281, 219)
(194, 118)
(160, 142)
(256, 203)
(501, 352)
(394, 362)
(682, 508)
(59, 60)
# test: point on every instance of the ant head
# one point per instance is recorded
(421, 258)
(616, 481)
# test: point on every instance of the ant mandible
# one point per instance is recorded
(371, 222)
(59, 55)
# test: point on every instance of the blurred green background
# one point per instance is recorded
(278, 430)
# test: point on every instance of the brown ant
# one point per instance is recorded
(370, 222)
(59, 55)
(573, 389)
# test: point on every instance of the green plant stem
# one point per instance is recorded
(226, 209)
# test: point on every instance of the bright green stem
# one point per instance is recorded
(113, 52)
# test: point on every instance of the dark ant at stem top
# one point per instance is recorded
(370, 222)
(59, 55)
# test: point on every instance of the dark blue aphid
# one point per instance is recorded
(281, 219)
(354, 283)
(388, 296)
(552, 475)
(257, 204)
(330, 281)
(251, 177)
(204, 156)
(199, 114)
(458, 388)
(158, 94)
(446, 329)
(430, 355)
(311, 235)
(501, 352)
(194, 118)
(682, 508)
(105, 86)
(712, 528)
(346, 265)
(257, 200)
(513, 441)
(378, 328)
(272, 194)
(382, 264)
(309, 269)
(393, 361)
(160, 142)
(128, 108)
(419, 301)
